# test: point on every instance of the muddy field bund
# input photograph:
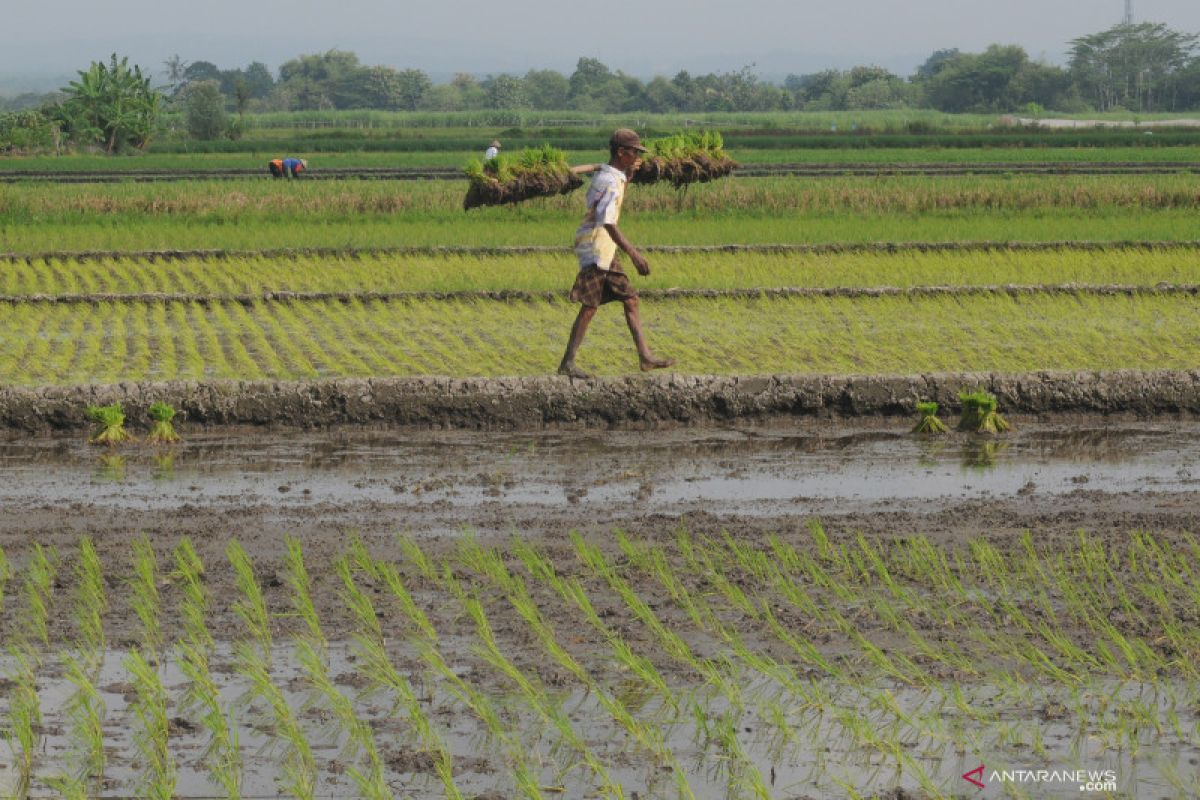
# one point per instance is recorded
(641, 401)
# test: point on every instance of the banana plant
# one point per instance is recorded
(112, 105)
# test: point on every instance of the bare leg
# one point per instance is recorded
(645, 357)
(578, 331)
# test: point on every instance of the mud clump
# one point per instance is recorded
(411, 762)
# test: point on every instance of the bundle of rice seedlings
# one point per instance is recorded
(534, 172)
(112, 418)
(685, 158)
(979, 413)
(929, 421)
(162, 431)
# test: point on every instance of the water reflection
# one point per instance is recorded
(110, 468)
(982, 453)
(733, 467)
(164, 465)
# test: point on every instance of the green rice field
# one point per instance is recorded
(217, 316)
(717, 664)
(234, 274)
(109, 342)
(252, 215)
(788, 608)
(457, 158)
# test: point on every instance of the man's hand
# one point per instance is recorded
(639, 261)
(643, 266)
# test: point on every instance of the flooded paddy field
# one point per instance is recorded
(803, 611)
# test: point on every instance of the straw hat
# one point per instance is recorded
(495, 143)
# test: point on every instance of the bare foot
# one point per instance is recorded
(656, 363)
(572, 371)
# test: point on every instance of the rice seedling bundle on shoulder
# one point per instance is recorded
(979, 413)
(929, 420)
(112, 420)
(535, 172)
(685, 158)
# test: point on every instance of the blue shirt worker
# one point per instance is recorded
(287, 167)
(600, 279)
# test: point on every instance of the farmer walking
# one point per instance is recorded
(287, 167)
(600, 279)
(492, 151)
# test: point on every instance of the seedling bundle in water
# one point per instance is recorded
(535, 172)
(162, 432)
(112, 420)
(685, 158)
(929, 421)
(979, 413)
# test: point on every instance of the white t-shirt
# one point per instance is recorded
(593, 245)
(491, 152)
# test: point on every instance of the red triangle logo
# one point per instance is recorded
(978, 776)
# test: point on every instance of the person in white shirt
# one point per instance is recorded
(492, 151)
(600, 279)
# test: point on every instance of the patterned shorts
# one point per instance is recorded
(595, 287)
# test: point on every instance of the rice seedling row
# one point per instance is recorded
(60, 261)
(756, 169)
(51, 168)
(247, 300)
(233, 202)
(838, 335)
(246, 277)
(249, 215)
(524, 227)
(743, 654)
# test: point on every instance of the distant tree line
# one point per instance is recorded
(1144, 67)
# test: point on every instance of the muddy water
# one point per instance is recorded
(813, 754)
(1108, 476)
(744, 471)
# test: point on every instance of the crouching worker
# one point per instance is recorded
(287, 167)
(600, 277)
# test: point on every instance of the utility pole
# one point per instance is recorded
(1128, 12)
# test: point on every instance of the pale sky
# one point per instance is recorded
(641, 38)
